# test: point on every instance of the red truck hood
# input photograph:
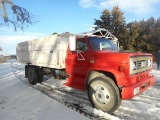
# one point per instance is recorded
(116, 57)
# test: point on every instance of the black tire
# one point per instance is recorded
(104, 94)
(40, 72)
(33, 75)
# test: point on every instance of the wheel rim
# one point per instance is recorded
(101, 94)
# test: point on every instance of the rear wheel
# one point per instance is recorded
(40, 72)
(104, 94)
(33, 75)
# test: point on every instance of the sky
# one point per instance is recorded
(74, 16)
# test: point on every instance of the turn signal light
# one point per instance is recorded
(121, 68)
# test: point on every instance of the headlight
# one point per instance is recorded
(132, 66)
(149, 63)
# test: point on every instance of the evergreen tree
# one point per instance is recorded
(105, 21)
(114, 22)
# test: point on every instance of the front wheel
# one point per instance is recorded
(104, 94)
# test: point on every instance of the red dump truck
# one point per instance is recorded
(90, 61)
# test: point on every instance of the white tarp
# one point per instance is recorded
(49, 51)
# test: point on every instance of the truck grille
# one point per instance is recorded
(142, 77)
(140, 64)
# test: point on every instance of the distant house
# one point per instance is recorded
(3, 58)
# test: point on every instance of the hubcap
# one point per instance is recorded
(102, 95)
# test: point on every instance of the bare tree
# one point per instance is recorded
(21, 17)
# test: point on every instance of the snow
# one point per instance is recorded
(19, 101)
(52, 100)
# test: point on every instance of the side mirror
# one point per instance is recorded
(72, 43)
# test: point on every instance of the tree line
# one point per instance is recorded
(142, 35)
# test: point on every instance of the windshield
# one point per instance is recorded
(101, 44)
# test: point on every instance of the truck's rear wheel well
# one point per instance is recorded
(93, 74)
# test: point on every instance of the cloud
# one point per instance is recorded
(134, 6)
(86, 3)
(9, 39)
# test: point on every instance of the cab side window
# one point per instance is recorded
(81, 45)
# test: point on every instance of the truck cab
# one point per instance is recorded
(95, 64)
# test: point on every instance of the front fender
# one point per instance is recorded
(119, 76)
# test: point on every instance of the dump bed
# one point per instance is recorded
(49, 51)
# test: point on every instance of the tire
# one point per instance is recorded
(40, 72)
(104, 94)
(33, 75)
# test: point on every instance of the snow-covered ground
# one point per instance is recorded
(51, 100)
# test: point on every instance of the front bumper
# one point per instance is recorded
(129, 92)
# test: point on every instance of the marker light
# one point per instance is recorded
(121, 68)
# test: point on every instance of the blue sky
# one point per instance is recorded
(74, 16)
